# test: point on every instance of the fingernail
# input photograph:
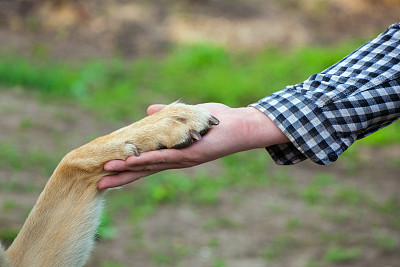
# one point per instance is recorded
(107, 166)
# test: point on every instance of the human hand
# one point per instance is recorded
(239, 129)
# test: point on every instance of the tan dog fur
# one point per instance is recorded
(61, 226)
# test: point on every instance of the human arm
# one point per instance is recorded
(318, 119)
(328, 112)
(239, 129)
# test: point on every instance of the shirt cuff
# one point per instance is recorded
(304, 123)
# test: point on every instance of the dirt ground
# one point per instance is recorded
(244, 220)
(97, 28)
(230, 233)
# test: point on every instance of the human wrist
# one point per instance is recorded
(261, 130)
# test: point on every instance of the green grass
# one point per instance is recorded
(16, 159)
(293, 224)
(315, 192)
(11, 156)
(197, 73)
(26, 124)
(340, 255)
(168, 254)
(106, 229)
(386, 242)
(278, 247)
(9, 205)
(8, 235)
(111, 264)
(219, 223)
(200, 188)
(348, 195)
(118, 89)
(219, 262)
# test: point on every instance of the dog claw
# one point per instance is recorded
(132, 149)
(213, 120)
(136, 152)
(195, 135)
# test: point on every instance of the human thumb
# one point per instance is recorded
(154, 108)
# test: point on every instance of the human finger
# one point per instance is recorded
(121, 178)
(159, 166)
(157, 157)
(115, 165)
(155, 108)
(153, 160)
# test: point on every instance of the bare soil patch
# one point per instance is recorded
(247, 221)
(268, 225)
(253, 226)
(97, 28)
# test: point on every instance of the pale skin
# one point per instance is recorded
(239, 129)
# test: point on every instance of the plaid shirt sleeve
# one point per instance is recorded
(328, 112)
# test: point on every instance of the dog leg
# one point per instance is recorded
(61, 226)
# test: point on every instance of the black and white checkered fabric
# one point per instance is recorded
(325, 114)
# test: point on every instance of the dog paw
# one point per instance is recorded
(176, 126)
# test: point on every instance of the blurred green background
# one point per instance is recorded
(71, 71)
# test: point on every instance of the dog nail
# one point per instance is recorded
(195, 135)
(214, 121)
(136, 152)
